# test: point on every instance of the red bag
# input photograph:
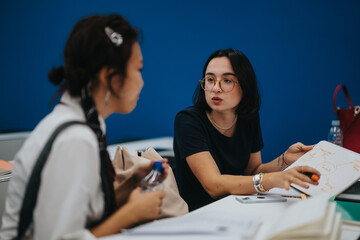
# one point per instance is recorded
(349, 121)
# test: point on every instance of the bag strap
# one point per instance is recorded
(33, 185)
(346, 95)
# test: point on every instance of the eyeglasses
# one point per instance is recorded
(226, 85)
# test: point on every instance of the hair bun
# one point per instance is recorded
(56, 75)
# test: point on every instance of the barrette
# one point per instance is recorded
(115, 37)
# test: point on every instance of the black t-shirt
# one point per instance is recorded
(194, 133)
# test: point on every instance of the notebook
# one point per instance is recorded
(352, 194)
(339, 168)
(315, 218)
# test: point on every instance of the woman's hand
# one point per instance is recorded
(146, 206)
(124, 189)
(294, 152)
(141, 207)
(294, 175)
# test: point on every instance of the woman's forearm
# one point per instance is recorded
(121, 219)
(278, 164)
(224, 185)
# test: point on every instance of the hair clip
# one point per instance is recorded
(115, 37)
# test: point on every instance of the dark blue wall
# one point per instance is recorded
(300, 51)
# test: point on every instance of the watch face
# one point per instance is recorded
(257, 179)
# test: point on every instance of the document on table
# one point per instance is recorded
(314, 218)
(339, 168)
(209, 223)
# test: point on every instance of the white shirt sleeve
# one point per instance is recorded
(70, 193)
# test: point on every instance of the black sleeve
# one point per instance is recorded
(189, 135)
(258, 143)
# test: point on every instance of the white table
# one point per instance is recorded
(265, 211)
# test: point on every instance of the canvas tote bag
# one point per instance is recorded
(126, 163)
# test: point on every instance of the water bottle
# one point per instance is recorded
(335, 133)
(153, 181)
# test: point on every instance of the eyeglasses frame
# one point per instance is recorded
(218, 81)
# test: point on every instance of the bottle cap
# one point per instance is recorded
(158, 166)
(335, 123)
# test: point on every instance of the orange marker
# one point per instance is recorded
(312, 176)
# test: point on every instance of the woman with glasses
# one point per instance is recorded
(217, 142)
(76, 198)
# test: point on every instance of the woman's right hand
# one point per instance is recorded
(294, 175)
(124, 188)
(146, 206)
(140, 208)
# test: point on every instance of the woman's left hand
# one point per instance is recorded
(295, 151)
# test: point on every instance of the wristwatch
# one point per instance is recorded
(257, 180)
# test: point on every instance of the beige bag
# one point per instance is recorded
(126, 163)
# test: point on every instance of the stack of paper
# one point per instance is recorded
(313, 218)
(225, 225)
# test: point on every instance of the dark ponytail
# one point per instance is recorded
(56, 75)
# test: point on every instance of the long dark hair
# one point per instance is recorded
(250, 102)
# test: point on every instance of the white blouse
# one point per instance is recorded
(70, 194)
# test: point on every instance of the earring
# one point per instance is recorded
(107, 97)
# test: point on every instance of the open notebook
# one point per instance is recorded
(314, 218)
(339, 168)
